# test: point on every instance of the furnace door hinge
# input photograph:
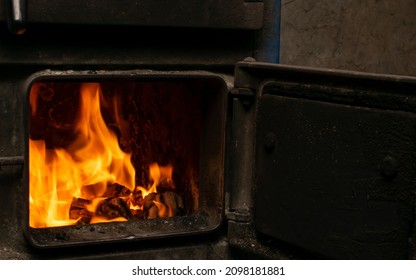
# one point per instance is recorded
(240, 154)
(242, 92)
(238, 215)
(246, 95)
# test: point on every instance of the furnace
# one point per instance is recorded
(167, 129)
(127, 147)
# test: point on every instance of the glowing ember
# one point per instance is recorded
(92, 180)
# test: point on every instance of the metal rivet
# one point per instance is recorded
(389, 167)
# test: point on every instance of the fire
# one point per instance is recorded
(67, 184)
(158, 174)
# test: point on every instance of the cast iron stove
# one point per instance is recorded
(269, 160)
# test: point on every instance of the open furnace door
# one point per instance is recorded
(334, 169)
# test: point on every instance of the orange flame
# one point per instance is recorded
(158, 174)
(94, 159)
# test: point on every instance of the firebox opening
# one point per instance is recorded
(123, 149)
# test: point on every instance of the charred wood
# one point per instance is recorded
(152, 212)
(116, 190)
(113, 208)
(78, 211)
(79, 203)
(117, 199)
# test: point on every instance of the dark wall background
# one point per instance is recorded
(372, 36)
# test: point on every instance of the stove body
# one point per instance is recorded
(306, 163)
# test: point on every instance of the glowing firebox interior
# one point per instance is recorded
(113, 150)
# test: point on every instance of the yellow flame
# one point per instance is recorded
(94, 159)
(85, 168)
